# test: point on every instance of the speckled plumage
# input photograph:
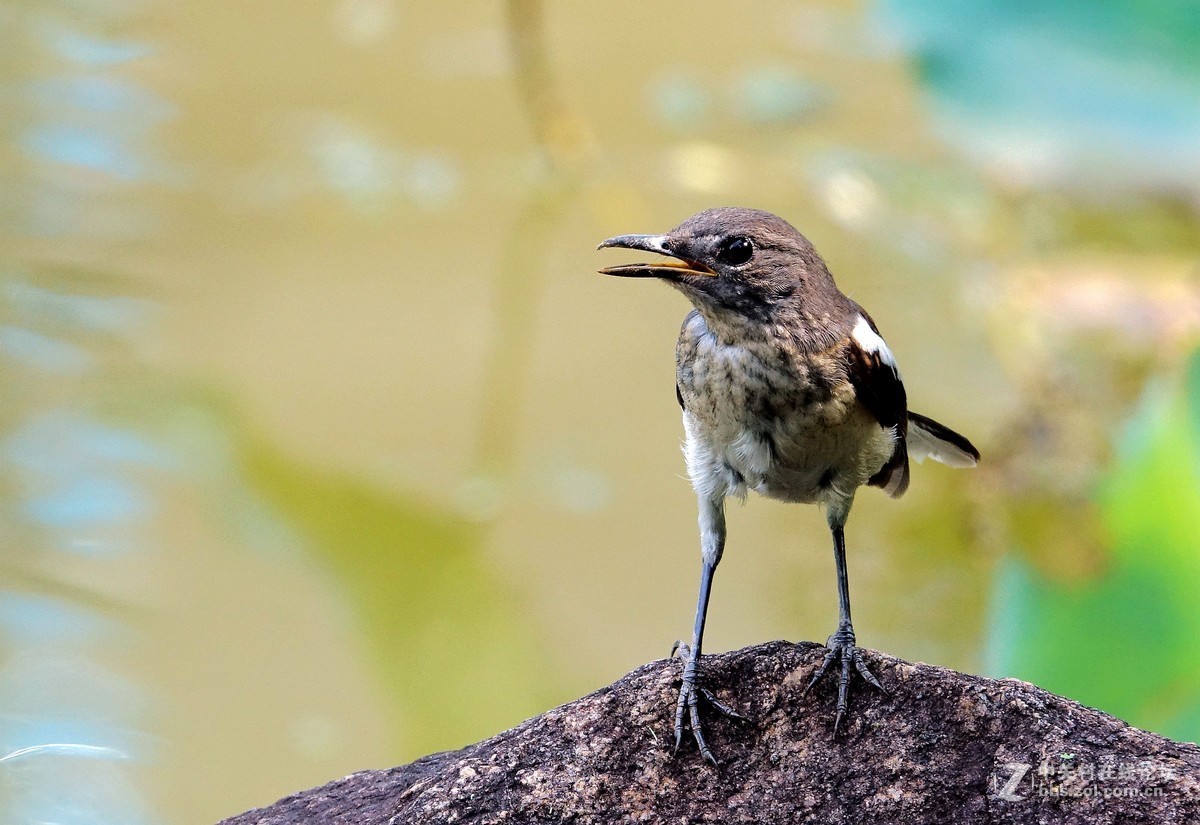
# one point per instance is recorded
(765, 415)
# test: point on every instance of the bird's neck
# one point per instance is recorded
(788, 326)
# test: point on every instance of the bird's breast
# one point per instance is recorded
(783, 425)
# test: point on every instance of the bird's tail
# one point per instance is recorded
(927, 438)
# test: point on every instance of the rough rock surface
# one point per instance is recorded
(941, 746)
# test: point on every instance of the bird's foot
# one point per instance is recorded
(841, 648)
(690, 694)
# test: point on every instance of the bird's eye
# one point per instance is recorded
(735, 251)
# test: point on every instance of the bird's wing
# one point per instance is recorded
(876, 379)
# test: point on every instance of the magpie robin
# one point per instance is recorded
(787, 389)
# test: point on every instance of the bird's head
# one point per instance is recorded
(732, 260)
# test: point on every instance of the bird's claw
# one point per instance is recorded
(841, 647)
(690, 694)
(721, 707)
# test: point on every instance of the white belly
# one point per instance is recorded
(802, 457)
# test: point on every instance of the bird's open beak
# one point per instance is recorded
(662, 269)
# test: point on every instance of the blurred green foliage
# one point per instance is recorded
(449, 639)
(1125, 639)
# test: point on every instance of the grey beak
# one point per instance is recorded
(647, 243)
(651, 243)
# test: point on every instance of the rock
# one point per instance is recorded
(940, 746)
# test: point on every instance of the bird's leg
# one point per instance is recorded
(841, 643)
(712, 544)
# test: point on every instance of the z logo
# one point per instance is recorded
(1007, 792)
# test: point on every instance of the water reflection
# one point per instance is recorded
(71, 717)
(321, 153)
(76, 499)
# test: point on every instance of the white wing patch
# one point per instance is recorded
(871, 341)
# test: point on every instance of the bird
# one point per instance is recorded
(788, 390)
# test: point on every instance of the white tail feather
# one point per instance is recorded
(924, 444)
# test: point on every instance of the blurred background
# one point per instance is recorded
(323, 446)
